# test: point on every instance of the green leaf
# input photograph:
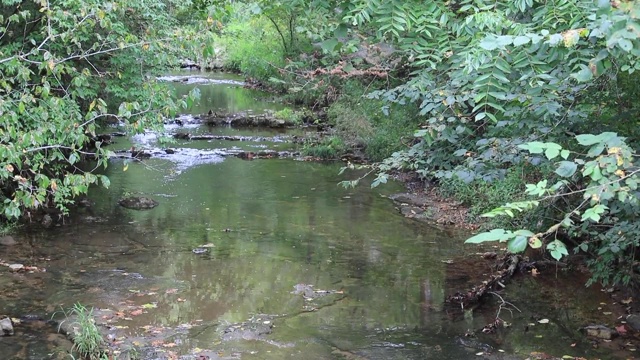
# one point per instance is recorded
(517, 244)
(557, 249)
(493, 235)
(566, 168)
(534, 147)
(329, 45)
(625, 45)
(535, 243)
(587, 139)
(565, 154)
(521, 40)
(583, 75)
(489, 43)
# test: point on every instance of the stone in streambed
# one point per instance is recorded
(6, 327)
(7, 240)
(138, 203)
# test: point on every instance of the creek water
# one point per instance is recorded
(295, 266)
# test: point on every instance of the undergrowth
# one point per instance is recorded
(87, 340)
(362, 122)
(482, 196)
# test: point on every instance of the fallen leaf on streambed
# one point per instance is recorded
(152, 293)
(209, 245)
(627, 301)
(157, 343)
(136, 312)
(171, 291)
(607, 313)
(534, 272)
(181, 300)
(169, 345)
(621, 329)
(543, 321)
(150, 306)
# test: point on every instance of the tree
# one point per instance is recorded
(67, 66)
(513, 82)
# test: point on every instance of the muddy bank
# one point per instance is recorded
(422, 202)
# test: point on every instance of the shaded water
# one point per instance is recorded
(270, 225)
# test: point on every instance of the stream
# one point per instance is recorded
(270, 259)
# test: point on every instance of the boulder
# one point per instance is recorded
(138, 203)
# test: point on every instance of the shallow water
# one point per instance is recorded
(270, 225)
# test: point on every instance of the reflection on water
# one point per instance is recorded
(222, 93)
(270, 224)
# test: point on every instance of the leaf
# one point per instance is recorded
(587, 139)
(583, 75)
(517, 244)
(543, 321)
(329, 45)
(150, 306)
(557, 249)
(534, 147)
(534, 242)
(566, 168)
(489, 43)
(625, 45)
(493, 235)
(521, 40)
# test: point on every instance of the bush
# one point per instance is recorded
(329, 148)
(380, 129)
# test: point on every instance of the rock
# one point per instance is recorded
(600, 332)
(138, 203)
(6, 326)
(7, 240)
(47, 221)
(16, 267)
(633, 320)
(410, 199)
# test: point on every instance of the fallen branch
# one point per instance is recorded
(506, 269)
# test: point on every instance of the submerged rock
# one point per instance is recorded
(200, 250)
(600, 332)
(138, 203)
(7, 240)
(6, 326)
(633, 320)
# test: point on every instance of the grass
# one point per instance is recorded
(482, 196)
(379, 128)
(292, 116)
(88, 343)
(329, 148)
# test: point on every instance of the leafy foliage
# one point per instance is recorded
(510, 83)
(66, 66)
